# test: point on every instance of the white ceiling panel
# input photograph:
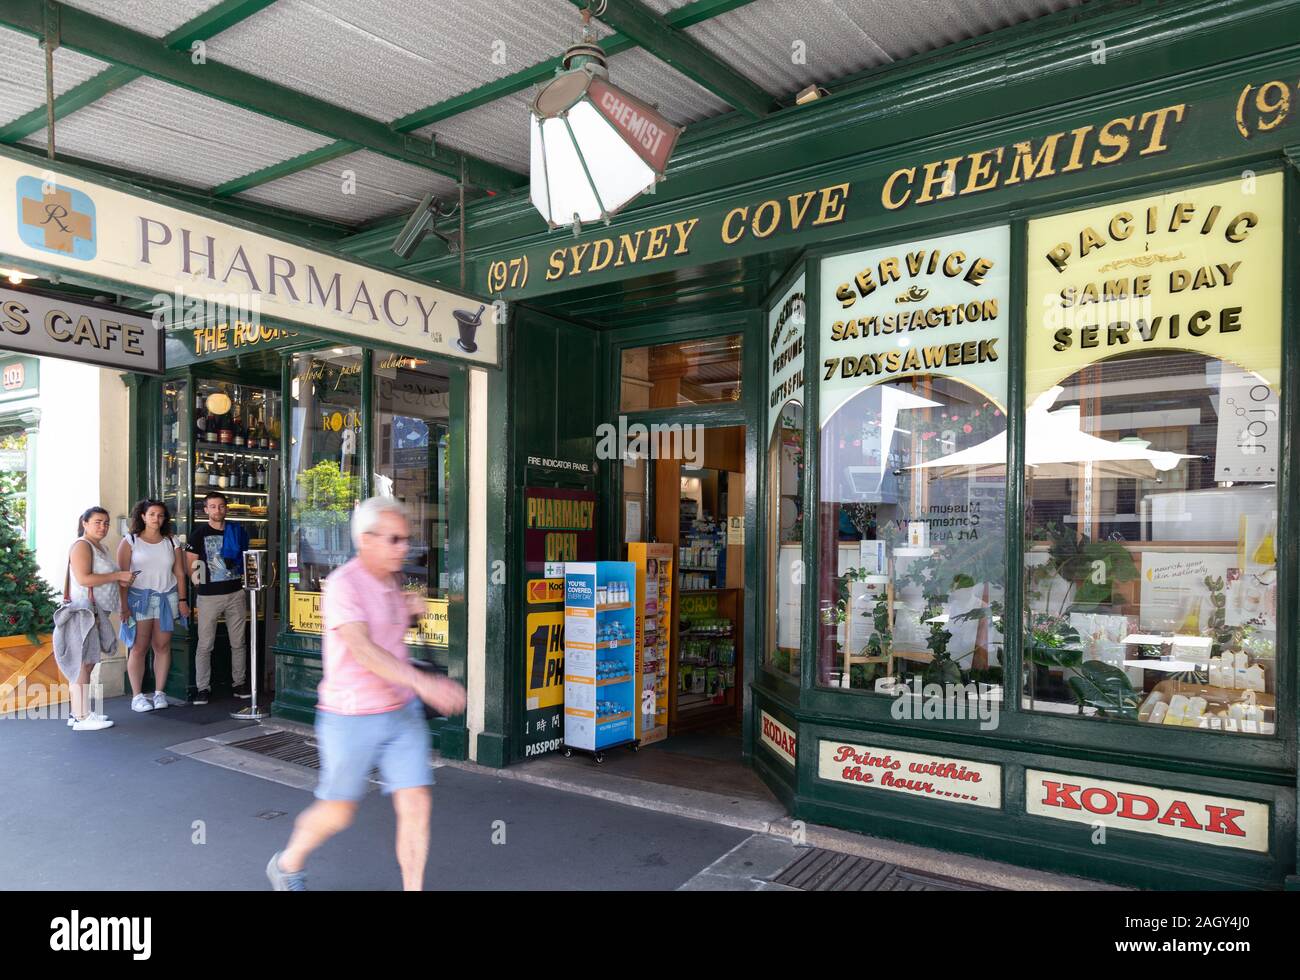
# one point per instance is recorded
(497, 131)
(159, 130)
(22, 73)
(783, 46)
(389, 59)
(157, 18)
(353, 189)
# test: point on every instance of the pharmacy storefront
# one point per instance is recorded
(1025, 474)
(292, 381)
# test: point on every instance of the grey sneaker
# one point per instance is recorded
(284, 881)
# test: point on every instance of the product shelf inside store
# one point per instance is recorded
(613, 718)
(225, 449)
(231, 493)
(614, 680)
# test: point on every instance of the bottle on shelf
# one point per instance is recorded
(223, 476)
(237, 424)
(261, 476)
(200, 418)
(201, 473)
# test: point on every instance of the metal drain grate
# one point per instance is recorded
(820, 870)
(283, 746)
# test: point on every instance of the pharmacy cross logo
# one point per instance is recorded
(56, 219)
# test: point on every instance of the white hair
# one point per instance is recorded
(368, 513)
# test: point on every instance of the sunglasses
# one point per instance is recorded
(391, 539)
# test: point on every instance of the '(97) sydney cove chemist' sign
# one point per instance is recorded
(89, 228)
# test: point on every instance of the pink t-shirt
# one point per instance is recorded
(353, 595)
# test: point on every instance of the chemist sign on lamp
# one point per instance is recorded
(594, 146)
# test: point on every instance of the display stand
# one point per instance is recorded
(599, 657)
(255, 571)
(654, 612)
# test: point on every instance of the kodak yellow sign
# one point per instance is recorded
(1196, 270)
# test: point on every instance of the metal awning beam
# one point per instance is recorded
(682, 17)
(111, 42)
(207, 25)
(683, 52)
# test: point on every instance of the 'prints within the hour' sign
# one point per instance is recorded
(936, 306)
(1218, 821)
(930, 776)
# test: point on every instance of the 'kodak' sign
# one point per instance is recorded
(1218, 821)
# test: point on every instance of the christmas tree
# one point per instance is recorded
(26, 603)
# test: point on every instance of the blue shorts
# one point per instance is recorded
(396, 741)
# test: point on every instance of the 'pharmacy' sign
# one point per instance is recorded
(89, 230)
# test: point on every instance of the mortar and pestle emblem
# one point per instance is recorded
(468, 323)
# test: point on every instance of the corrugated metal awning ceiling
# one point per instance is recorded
(385, 59)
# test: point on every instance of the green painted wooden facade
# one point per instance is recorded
(558, 380)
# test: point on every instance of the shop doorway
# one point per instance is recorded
(690, 496)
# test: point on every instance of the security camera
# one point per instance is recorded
(420, 224)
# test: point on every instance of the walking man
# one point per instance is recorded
(368, 709)
(219, 546)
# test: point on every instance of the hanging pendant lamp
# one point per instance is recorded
(594, 146)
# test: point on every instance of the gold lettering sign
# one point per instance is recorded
(1026, 160)
(430, 630)
(1197, 270)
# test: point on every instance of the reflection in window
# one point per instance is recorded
(324, 460)
(785, 463)
(913, 497)
(411, 424)
(1150, 565)
(691, 372)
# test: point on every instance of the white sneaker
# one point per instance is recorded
(159, 700)
(91, 723)
(142, 702)
(94, 714)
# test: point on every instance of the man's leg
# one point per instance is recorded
(414, 807)
(314, 826)
(236, 610)
(207, 612)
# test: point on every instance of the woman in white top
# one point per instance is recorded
(157, 596)
(91, 572)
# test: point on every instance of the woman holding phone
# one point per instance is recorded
(92, 583)
(155, 598)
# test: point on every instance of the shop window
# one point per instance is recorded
(912, 527)
(692, 372)
(1152, 382)
(412, 419)
(324, 465)
(785, 467)
(175, 451)
(1151, 526)
(13, 477)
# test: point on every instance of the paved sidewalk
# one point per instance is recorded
(117, 810)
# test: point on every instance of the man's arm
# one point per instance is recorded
(375, 658)
(441, 693)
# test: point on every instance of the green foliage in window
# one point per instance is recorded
(325, 495)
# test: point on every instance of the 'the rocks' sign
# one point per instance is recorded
(1214, 820)
(930, 776)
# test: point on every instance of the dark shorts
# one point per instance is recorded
(397, 742)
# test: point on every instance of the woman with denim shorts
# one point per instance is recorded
(156, 598)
